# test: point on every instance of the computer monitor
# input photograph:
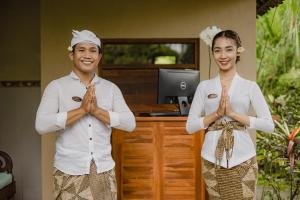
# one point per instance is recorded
(177, 86)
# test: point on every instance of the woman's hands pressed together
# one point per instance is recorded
(224, 105)
(225, 109)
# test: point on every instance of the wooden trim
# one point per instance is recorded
(149, 66)
(148, 40)
(197, 53)
(30, 83)
(157, 173)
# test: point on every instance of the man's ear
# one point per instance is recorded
(71, 56)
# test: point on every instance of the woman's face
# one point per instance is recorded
(225, 53)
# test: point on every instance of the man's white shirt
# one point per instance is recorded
(242, 94)
(88, 138)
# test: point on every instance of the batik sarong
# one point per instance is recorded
(91, 186)
(236, 183)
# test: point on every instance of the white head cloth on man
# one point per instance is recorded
(84, 36)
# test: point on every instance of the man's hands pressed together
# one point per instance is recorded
(89, 101)
(88, 106)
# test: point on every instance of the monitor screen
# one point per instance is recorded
(174, 83)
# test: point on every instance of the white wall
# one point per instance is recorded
(19, 139)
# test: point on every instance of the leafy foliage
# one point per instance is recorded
(278, 59)
(278, 74)
(146, 53)
(274, 165)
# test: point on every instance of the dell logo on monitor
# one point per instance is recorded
(183, 85)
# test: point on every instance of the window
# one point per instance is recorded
(150, 53)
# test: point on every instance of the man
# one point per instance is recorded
(83, 108)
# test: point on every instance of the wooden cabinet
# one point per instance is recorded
(158, 161)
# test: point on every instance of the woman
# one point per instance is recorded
(221, 106)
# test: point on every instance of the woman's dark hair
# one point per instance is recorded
(99, 49)
(228, 34)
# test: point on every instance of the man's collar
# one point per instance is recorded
(96, 78)
(74, 76)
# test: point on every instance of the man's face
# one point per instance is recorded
(85, 57)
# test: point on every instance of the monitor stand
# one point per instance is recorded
(183, 105)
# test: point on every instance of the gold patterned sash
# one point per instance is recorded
(226, 139)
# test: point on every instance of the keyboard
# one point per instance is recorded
(160, 114)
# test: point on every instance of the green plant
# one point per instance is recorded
(278, 73)
(275, 172)
(278, 59)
